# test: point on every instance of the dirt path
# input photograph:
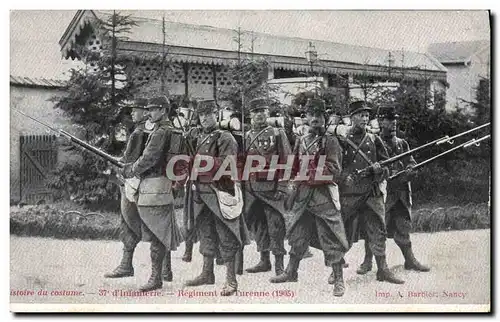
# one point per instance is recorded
(459, 260)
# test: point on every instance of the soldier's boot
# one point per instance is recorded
(188, 253)
(338, 279)
(331, 278)
(290, 274)
(411, 263)
(166, 271)
(155, 280)
(264, 265)
(207, 276)
(125, 268)
(307, 254)
(239, 262)
(231, 285)
(366, 266)
(383, 273)
(278, 264)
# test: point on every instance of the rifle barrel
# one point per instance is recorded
(76, 140)
(477, 141)
(435, 142)
(463, 145)
(111, 159)
(463, 133)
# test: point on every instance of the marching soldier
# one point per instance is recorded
(213, 229)
(264, 202)
(361, 195)
(317, 220)
(155, 198)
(130, 226)
(399, 202)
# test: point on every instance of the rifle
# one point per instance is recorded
(435, 142)
(111, 159)
(188, 216)
(463, 145)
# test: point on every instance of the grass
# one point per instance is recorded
(69, 221)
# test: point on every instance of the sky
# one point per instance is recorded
(35, 51)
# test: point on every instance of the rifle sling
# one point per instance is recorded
(254, 139)
(311, 144)
(357, 150)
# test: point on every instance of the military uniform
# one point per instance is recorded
(155, 198)
(263, 198)
(363, 208)
(399, 201)
(130, 221)
(213, 229)
(315, 216)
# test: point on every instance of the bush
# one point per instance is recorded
(85, 183)
(454, 182)
(470, 216)
(63, 221)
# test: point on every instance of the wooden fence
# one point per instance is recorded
(38, 156)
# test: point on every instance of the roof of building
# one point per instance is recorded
(206, 44)
(36, 82)
(457, 52)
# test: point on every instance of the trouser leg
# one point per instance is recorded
(228, 243)
(129, 238)
(207, 233)
(401, 224)
(277, 232)
(299, 240)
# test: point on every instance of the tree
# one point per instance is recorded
(482, 104)
(95, 97)
(249, 76)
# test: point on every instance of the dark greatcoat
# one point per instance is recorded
(135, 145)
(155, 199)
(398, 189)
(366, 191)
(315, 196)
(218, 144)
(266, 142)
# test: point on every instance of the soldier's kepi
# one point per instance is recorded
(315, 216)
(154, 193)
(263, 200)
(399, 200)
(214, 230)
(362, 197)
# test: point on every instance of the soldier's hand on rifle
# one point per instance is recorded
(409, 172)
(376, 169)
(63, 140)
(349, 181)
(127, 170)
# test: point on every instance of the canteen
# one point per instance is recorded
(277, 121)
(374, 126)
(333, 119)
(233, 124)
(188, 112)
(179, 122)
(346, 119)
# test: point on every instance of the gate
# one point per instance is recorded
(37, 158)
